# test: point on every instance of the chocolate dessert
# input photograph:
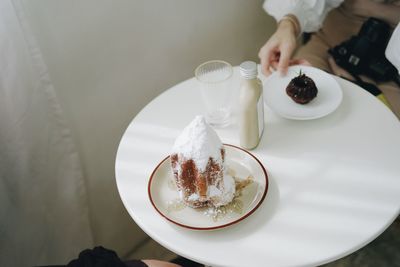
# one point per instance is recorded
(302, 89)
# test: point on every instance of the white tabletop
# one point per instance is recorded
(334, 182)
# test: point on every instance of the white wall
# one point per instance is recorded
(108, 59)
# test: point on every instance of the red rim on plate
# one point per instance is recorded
(213, 227)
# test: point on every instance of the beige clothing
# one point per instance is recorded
(339, 26)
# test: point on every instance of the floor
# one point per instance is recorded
(384, 251)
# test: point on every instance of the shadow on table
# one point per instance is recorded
(246, 227)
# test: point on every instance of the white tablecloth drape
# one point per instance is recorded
(43, 203)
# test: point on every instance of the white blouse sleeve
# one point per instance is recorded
(392, 52)
(310, 13)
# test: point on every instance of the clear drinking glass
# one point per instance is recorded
(215, 81)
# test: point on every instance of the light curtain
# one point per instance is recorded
(43, 203)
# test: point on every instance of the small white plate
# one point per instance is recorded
(327, 100)
(163, 194)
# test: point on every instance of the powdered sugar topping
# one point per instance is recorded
(198, 141)
(222, 197)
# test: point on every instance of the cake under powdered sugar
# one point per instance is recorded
(198, 164)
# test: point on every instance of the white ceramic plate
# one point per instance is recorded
(328, 98)
(163, 194)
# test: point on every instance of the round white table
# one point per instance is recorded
(334, 182)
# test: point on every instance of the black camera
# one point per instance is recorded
(364, 54)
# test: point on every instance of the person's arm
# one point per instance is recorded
(309, 13)
(293, 17)
(277, 51)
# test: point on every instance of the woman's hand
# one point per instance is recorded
(277, 51)
(338, 71)
(157, 263)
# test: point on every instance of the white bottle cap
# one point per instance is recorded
(248, 70)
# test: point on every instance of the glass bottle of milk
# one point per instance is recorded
(251, 107)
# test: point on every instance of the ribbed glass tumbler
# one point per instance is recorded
(215, 79)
